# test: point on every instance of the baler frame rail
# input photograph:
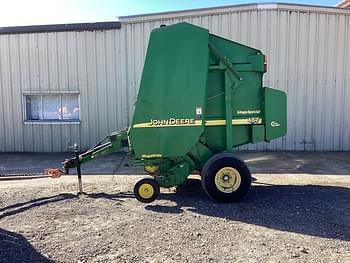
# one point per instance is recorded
(232, 80)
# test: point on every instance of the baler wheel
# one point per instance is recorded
(225, 178)
(146, 190)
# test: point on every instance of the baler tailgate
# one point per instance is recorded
(275, 113)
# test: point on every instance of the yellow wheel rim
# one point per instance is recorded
(146, 191)
(227, 180)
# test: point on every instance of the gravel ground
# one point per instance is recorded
(284, 218)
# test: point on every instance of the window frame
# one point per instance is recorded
(43, 93)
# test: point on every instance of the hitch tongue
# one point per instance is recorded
(69, 163)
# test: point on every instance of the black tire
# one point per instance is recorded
(239, 178)
(146, 190)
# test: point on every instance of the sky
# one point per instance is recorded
(36, 12)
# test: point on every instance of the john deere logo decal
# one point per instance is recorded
(172, 122)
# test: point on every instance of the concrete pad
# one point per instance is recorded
(327, 163)
(26, 163)
(298, 162)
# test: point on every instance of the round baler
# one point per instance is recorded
(200, 96)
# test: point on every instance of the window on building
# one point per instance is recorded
(52, 107)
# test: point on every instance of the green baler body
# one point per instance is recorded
(182, 95)
(201, 94)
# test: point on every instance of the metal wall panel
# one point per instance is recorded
(307, 49)
(91, 63)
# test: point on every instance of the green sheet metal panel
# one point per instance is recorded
(275, 113)
(247, 97)
(165, 123)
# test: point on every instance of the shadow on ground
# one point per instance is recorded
(15, 248)
(24, 206)
(42, 201)
(314, 210)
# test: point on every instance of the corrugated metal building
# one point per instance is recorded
(92, 72)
